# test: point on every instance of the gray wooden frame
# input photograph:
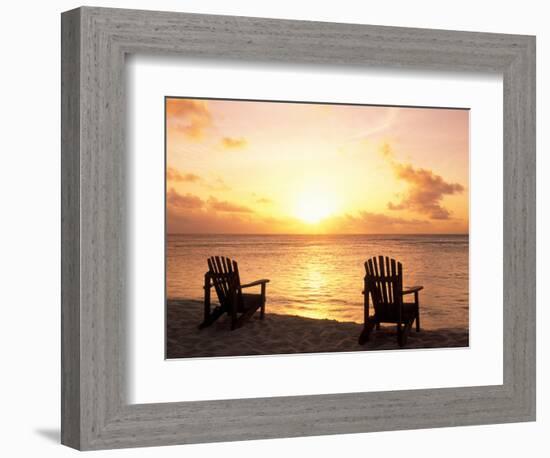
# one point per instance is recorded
(95, 413)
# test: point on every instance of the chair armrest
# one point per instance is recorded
(412, 289)
(255, 283)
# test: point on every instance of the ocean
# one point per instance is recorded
(321, 276)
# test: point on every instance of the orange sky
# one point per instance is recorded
(265, 167)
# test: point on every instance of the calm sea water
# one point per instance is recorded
(321, 276)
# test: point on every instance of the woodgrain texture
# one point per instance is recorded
(95, 411)
(70, 228)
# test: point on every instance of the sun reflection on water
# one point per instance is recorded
(321, 276)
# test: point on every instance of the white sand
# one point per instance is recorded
(280, 334)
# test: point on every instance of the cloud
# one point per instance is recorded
(183, 201)
(216, 184)
(173, 174)
(228, 207)
(425, 190)
(386, 220)
(234, 143)
(210, 221)
(189, 117)
(375, 223)
(187, 213)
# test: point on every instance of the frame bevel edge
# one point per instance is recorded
(520, 227)
(484, 49)
(70, 229)
(168, 424)
(115, 12)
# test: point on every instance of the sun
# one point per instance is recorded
(313, 206)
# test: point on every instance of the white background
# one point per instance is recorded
(29, 256)
(155, 380)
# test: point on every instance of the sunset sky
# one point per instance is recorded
(265, 167)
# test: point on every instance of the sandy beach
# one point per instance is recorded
(283, 334)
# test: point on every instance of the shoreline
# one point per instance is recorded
(286, 334)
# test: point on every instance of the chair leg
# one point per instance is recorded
(218, 311)
(400, 336)
(364, 337)
(243, 318)
(403, 332)
(262, 308)
(416, 301)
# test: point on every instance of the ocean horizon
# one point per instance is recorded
(321, 275)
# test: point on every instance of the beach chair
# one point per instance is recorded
(223, 276)
(384, 285)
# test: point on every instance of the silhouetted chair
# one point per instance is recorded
(384, 284)
(223, 276)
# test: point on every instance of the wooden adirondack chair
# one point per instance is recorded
(384, 284)
(223, 276)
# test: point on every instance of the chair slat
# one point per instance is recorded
(236, 271)
(215, 280)
(394, 281)
(226, 262)
(374, 283)
(222, 282)
(216, 272)
(376, 277)
(382, 279)
(389, 283)
(400, 278)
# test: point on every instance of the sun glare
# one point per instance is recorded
(314, 206)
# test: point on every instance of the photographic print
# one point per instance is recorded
(299, 227)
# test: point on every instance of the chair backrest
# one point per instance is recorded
(384, 282)
(224, 273)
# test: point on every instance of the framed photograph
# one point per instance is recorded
(279, 228)
(302, 193)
